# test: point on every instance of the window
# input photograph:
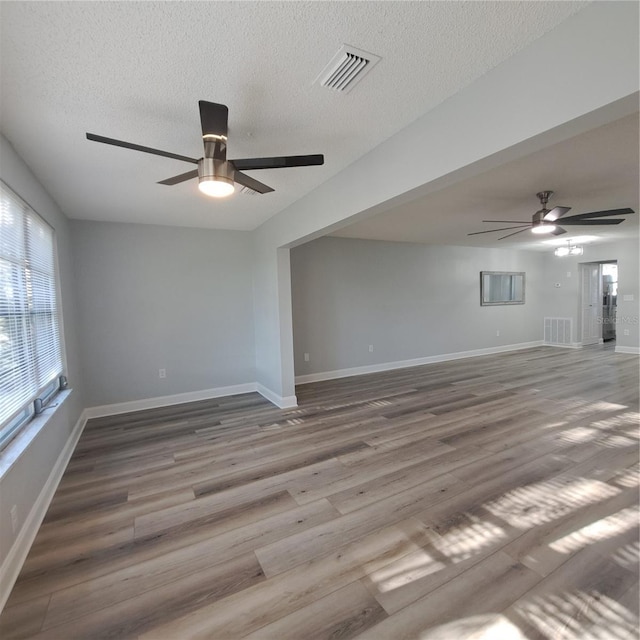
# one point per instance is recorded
(30, 354)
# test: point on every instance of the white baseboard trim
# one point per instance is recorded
(102, 411)
(165, 401)
(12, 564)
(572, 345)
(634, 351)
(283, 402)
(414, 362)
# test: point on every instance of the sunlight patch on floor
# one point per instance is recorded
(627, 419)
(616, 440)
(490, 626)
(588, 435)
(579, 435)
(464, 541)
(579, 616)
(617, 431)
(628, 556)
(544, 502)
(458, 544)
(603, 529)
(554, 425)
(296, 411)
(412, 567)
(578, 408)
(271, 427)
(628, 478)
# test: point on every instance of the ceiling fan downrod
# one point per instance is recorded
(544, 198)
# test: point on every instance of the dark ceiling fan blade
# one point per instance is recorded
(251, 183)
(555, 213)
(558, 231)
(509, 221)
(137, 147)
(181, 178)
(213, 118)
(476, 233)
(600, 214)
(281, 162)
(512, 234)
(593, 223)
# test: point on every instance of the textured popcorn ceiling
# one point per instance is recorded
(135, 71)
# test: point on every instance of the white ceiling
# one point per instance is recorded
(594, 171)
(135, 71)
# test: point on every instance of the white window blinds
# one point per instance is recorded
(30, 356)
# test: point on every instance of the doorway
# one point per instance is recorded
(598, 298)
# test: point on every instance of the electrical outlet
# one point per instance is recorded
(568, 274)
(306, 357)
(162, 373)
(14, 517)
(370, 348)
(498, 333)
(626, 332)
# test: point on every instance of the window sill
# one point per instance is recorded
(14, 450)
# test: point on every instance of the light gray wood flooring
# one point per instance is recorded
(493, 497)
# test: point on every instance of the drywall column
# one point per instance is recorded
(273, 324)
(582, 74)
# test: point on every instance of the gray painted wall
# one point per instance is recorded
(22, 483)
(152, 297)
(408, 300)
(564, 301)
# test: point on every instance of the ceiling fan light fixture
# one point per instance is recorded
(216, 187)
(569, 250)
(543, 228)
(215, 178)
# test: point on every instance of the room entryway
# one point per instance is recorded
(598, 301)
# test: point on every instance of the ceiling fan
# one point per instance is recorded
(217, 175)
(544, 220)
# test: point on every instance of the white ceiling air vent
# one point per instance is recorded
(248, 191)
(347, 68)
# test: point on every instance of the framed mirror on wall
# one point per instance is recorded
(501, 287)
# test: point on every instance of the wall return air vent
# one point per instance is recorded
(346, 69)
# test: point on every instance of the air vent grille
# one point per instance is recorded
(346, 69)
(558, 331)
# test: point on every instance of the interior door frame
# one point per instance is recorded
(583, 266)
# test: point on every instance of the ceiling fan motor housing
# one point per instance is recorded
(538, 217)
(214, 169)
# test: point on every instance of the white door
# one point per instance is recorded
(591, 279)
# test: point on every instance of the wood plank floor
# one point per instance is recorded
(495, 495)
